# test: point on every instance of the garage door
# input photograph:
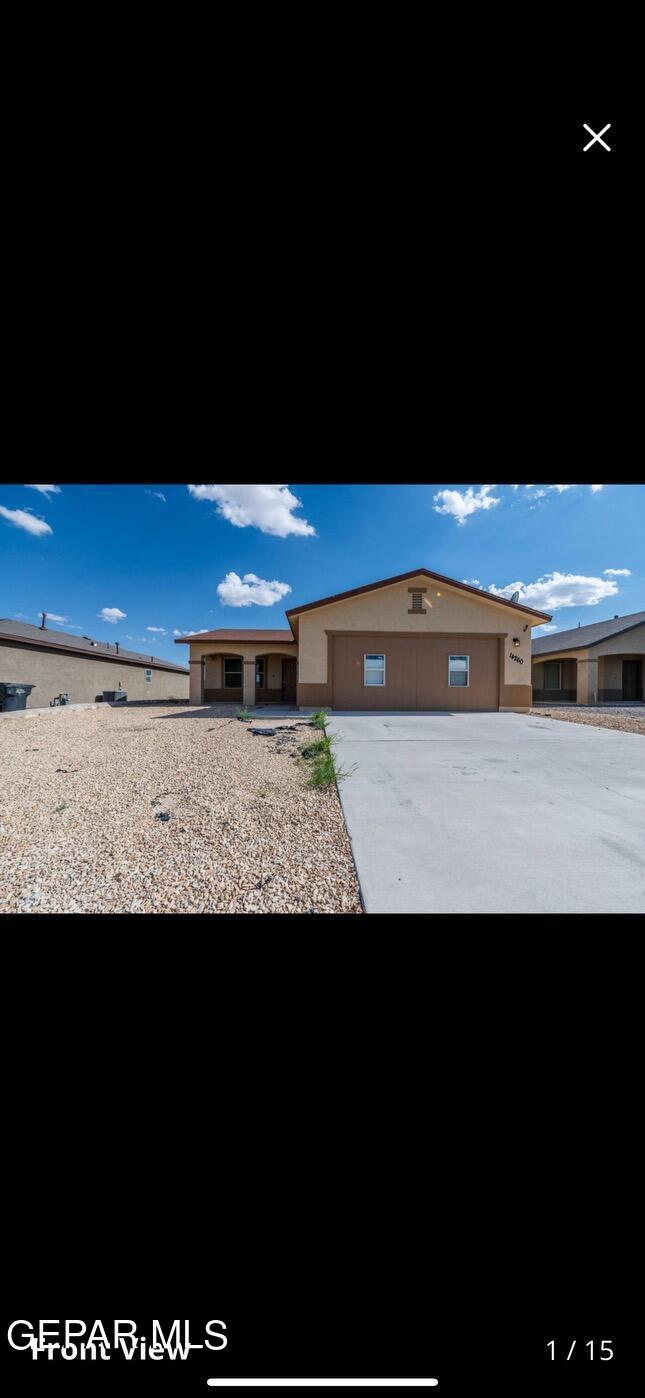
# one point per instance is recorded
(411, 672)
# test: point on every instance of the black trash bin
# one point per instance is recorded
(14, 696)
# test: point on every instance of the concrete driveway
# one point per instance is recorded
(495, 813)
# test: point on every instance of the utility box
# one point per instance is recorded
(115, 696)
(14, 696)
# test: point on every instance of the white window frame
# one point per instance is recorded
(459, 657)
(381, 685)
(558, 686)
(148, 676)
(239, 664)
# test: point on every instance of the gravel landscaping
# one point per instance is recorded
(166, 810)
(625, 720)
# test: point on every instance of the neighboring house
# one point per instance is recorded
(55, 661)
(598, 664)
(416, 641)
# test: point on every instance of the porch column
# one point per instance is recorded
(587, 687)
(248, 693)
(196, 682)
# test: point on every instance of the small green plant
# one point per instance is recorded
(319, 746)
(325, 770)
(319, 719)
(244, 715)
(61, 808)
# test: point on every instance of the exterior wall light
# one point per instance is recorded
(438, 594)
(516, 640)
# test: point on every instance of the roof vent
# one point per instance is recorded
(616, 618)
(44, 618)
(515, 597)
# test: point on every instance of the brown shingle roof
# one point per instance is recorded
(582, 636)
(225, 634)
(30, 635)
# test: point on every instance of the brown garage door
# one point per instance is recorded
(416, 672)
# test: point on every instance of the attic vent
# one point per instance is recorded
(416, 600)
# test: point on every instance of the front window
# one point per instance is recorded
(458, 669)
(259, 674)
(374, 669)
(233, 673)
(148, 676)
(552, 675)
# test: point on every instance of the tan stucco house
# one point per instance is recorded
(598, 664)
(416, 641)
(56, 662)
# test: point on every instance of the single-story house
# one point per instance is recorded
(56, 662)
(598, 664)
(415, 641)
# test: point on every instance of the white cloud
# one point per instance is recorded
(471, 582)
(51, 616)
(111, 614)
(597, 487)
(556, 590)
(266, 507)
(546, 626)
(617, 572)
(160, 629)
(243, 592)
(24, 519)
(538, 494)
(177, 633)
(45, 489)
(157, 494)
(461, 504)
(515, 487)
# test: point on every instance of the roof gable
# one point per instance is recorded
(294, 612)
(581, 637)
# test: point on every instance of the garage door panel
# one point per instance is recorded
(433, 657)
(416, 672)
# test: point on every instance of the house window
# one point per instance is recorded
(259, 674)
(552, 670)
(374, 669)
(233, 673)
(148, 676)
(458, 669)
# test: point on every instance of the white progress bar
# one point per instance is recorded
(322, 1383)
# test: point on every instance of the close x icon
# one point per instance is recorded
(596, 139)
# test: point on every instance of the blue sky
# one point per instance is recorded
(137, 563)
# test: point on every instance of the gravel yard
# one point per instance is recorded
(625, 720)
(165, 810)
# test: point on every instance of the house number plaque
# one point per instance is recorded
(517, 658)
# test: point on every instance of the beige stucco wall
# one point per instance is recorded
(627, 643)
(386, 609)
(610, 672)
(51, 672)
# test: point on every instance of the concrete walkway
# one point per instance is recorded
(501, 813)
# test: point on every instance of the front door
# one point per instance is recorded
(288, 681)
(631, 679)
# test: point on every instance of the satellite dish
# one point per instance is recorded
(515, 597)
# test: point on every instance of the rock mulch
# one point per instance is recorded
(624, 720)
(106, 810)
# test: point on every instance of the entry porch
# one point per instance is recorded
(243, 676)
(597, 679)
